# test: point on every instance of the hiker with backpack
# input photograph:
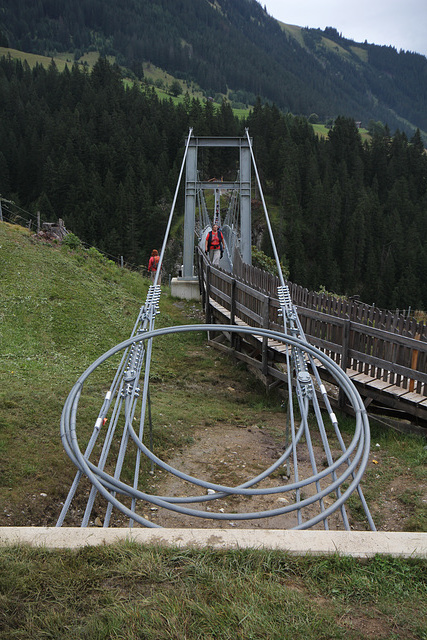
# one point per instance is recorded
(215, 245)
(153, 264)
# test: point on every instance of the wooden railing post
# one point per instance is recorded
(201, 276)
(233, 302)
(344, 358)
(233, 312)
(208, 295)
(265, 325)
(414, 362)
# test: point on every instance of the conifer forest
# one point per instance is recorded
(348, 215)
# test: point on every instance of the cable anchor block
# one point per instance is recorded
(305, 384)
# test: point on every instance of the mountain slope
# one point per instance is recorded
(232, 47)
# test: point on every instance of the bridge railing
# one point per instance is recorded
(348, 308)
(355, 340)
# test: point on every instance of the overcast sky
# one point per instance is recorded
(400, 23)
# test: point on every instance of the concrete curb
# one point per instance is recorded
(359, 544)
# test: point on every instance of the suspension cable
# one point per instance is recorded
(267, 218)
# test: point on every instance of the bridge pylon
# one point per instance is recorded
(186, 285)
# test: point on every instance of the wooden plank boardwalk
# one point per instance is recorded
(388, 386)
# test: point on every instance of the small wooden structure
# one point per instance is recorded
(53, 230)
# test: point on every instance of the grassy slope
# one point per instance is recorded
(33, 59)
(60, 310)
(322, 131)
(296, 33)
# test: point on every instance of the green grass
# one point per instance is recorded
(399, 470)
(59, 311)
(242, 114)
(330, 45)
(33, 59)
(361, 52)
(129, 591)
(294, 31)
(322, 131)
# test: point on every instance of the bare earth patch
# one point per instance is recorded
(230, 455)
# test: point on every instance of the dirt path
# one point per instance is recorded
(231, 455)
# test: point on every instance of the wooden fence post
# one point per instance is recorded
(201, 275)
(344, 358)
(233, 312)
(414, 362)
(265, 325)
(233, 302)
(208, 295)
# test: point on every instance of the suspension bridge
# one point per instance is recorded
(310, 499)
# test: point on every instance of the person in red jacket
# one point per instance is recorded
(215, 245)
(153, 264)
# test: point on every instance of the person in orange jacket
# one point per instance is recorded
(153, 264)
(215, 245)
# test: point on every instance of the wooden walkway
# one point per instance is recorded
(388, 369)
(264, 360)
(390, 395)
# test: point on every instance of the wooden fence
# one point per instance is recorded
(350, 309)
(387, 353)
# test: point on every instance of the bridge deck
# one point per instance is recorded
(373, 391)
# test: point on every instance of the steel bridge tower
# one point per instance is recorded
(186, 286)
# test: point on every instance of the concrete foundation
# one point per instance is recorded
(359, 544)
(188, 289)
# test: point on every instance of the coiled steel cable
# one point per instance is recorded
(354, 457)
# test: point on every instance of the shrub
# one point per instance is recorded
(96, 255)
(72, 241)
(262, 261)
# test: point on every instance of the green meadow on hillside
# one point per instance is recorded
(160, 80)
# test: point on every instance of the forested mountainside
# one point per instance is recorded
(234, 48)
(348, 216)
